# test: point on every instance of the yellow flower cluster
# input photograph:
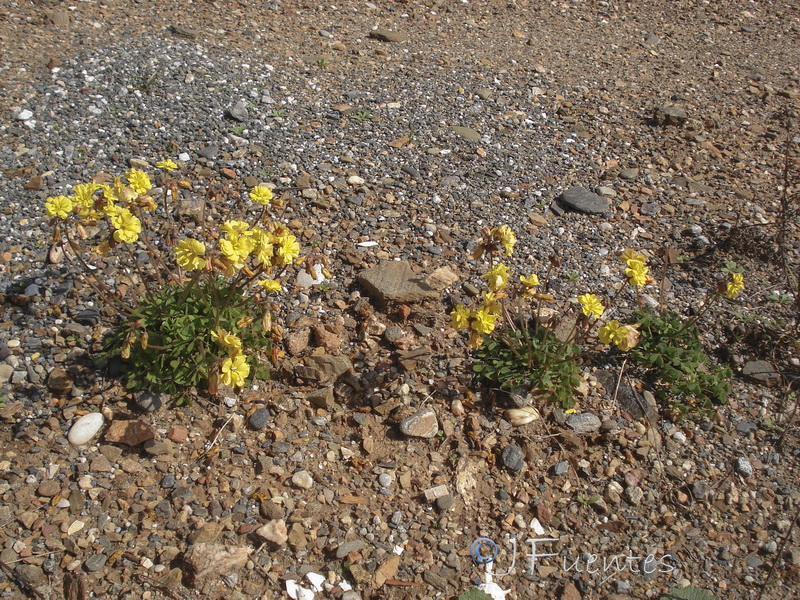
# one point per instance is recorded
(479, 322)
(234, 369)
(636, 268)
(591, 305)
(118, 202)
(493, 240)
(734, 286)
(622, 336)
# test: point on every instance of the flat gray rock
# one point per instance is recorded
(584, 423)
(582, 200)
(395, 281)
(467, 133)
(761, 371)
(386, 35)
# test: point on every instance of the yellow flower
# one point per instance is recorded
(497, 277)
(636, 272)
(506, 237)
(734, 286)
(138, 180)
(483, 321)
(287, 249)
(264, 250)
(127, 226)
(234, 371)
(167, 164)
(459, 317)
(189, 254)
(261, 194)
(631, 255)
(235, 227)
(591, 306)
(236, 248)
(60, 207)
(622, 336)
(84, 194)
(531, 283)
(229, 342)
(611, 332)
(270, 285)
(491, 302)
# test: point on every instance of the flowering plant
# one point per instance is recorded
(520, 342)
(195, 311)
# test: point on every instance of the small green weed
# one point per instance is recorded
(474, 594)
(277, 113)
(238, 129)
(362, 116)
(681, 372)
(587, 501)
(531, 357)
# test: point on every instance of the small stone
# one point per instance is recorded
(259, 419)
(303, 480)
(31, 574)
(347, 547)
(434, 493)
(59, 382)
(324, 367)
(48, 489)
(322, 398)
(561, 468)
(274, 531)
(148, 402)
(745, 427)
(130, 433)
(395, 281)
(210, 152)
(761, 371)
(239, 111)
(670, 115)
(582, 200)
(385, 480)
(467, 133)
(386, 35)
(85, 428)
(584, 423)
(634, 495)
(422, 424)
(445, 502)
(95, 562)
(628, 174)
(178, 434)
(5, 372)
(24, 114)
(210, 561)
(771, 547)
(298, 341)
(570, 592)
(297, 537)
(743, 467)
(168, 481)
(513, 458)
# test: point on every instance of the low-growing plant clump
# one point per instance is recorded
(521, 342)
(195, 310)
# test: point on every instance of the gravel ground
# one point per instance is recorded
(396, 131)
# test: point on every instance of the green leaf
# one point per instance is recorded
(474, 594)
(689, 593)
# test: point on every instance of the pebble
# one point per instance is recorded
(259, 419)
(148, 402)
(422, 424)
(303, 480)
(445, 502)
(347, 547)
(582, 200)
(95, 562)
(513, 457)
(584, 422)
(85, 428)
(385, 480)
(561, 468)
(274, 531)
(743, 467)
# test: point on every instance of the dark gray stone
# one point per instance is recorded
(561, 468)
(761, 371)
(670, 115)
(347, 547)
(513, 458)
(148, 402)
(210, 152)
(95, 562)
(445, 502)
(259, 419)
(585, 201)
